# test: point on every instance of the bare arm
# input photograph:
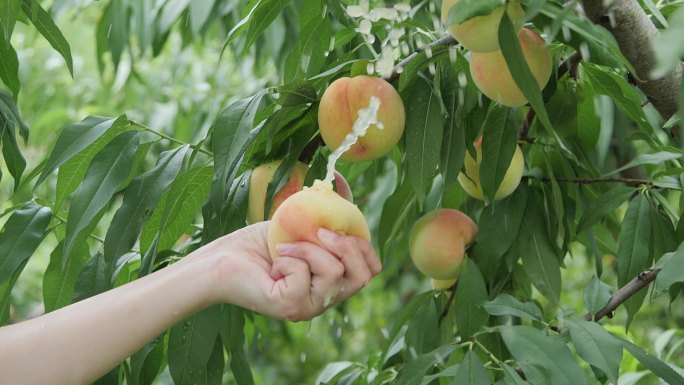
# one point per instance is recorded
(70, 345)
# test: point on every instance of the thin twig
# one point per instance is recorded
(525, 127)
(396, 71)
(626, 292)
(447, 306)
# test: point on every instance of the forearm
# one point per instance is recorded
(78, 343)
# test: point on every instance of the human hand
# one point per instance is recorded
(301, 283)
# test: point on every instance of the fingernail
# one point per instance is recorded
(284, 248)
(326, 235)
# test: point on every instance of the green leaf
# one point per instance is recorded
(46, 26)
(297, 93)
(15, 162)
(506, 304)
(641, 159)
(191, 344)
(76, 137)
(58, 282)
(511, 376)
(658, 367)
(9, 68)
(458, 101)
(512, 52)
(146, 362)
(232, 132)
(671, 267)
(414, 371)
(9, 110)
(539, 258)
(233, 338)
(177, 208)
(605, 82)
(108, 171)
(422, 333)
(9, 9)
(200, 10)
(498, 230)
(171, 13)
(531, 346)
(596, 346)
(471, 293)
(113, 31)
(307, 57)
(471, 371)
(24, 231)
(72, 172)
(263, 15)
(419, 63)
(596, 295)
(467, 9)
(604, 204)
(394, 213)
(141, 196)
(403, 317)
(92, 280)
(499, 142)
(424, 138)
(633, 251)
(5, 291)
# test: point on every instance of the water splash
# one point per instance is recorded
(366, 118)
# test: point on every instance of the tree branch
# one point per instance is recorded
(396, 71)
(634, 33)
(632, 287)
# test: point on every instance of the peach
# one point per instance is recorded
(300, 216)
(481, 33)
(492, 76)
(339, 108)
(262, 176)
(470, 181)
(442, 284)
(438, 240)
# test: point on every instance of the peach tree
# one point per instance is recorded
(553, 126)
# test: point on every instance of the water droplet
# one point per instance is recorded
(326, 53)
(364, 27)
(331, 46)
(462, 80)
(383, 13)
(428, 52)
(370, 68)
(338, 332)
(183, 339)
(431, 68)
(302, 357)
(453, 55)
(584, 51)
(186, 325)
(345, 319)
(325, 10)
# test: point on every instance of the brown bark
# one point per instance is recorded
(634, 33)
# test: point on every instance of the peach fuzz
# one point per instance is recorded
(492, 76)
(438, 241)
(481, 33)
(301, 215)
(338, 110)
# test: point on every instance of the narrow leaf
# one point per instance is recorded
(633, 251)
(603, 205)
(108, 171)
(191, 344)
(59, 283)
(671, 267)
(512, 52)
(471, 371)
(658, 367)
(46, 26)
(424, 138)
(596, 295)
(506, 304)
(499, 142)
(529, 345)
(414, 371)
(24, 231)
(596, 346)
(307, 57)
(9, 67)
(471, 293)
(76, 137)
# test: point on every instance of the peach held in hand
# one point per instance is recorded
(481, 33)
(339, 108)
(262, 176)
(470, 181)
(438, 240)
(299, 217)
(492, 76)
